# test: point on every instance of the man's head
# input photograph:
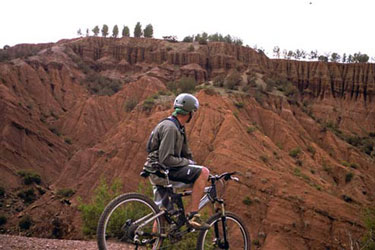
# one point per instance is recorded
(185, 105)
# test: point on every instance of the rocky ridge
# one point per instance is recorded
(52, 124)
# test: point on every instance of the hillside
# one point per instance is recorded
(301, 133)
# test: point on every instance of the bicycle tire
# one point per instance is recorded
(236, 228)
(115, 216)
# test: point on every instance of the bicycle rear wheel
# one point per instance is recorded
(237, 234)
(120, 223)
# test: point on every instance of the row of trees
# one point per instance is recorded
(138, 32)
(204, 38)
(301, 54)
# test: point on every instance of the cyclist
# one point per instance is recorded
(168, 146)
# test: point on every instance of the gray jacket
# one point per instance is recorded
(168, 145)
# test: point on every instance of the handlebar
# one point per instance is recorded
(226, 176)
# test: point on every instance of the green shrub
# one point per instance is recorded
(264, 158)
(218, 81)
(25, 223)
(103, 194)
(3, 220)
(345, 163)
(29, 177)
(28, 195)
(130, 104)
(100, 85)
(368, 240)
(191, 48)
(354, 165)
(348, 177)
(67, 140)
(91, 211)
(311, 150)
(233, 80)
(251, 129)
(247, 201)
(183, 85)
(55, 131)
(239, 104)
(295, 152)
(65, 192)
(148, 104)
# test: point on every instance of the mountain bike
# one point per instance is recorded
(135, 220)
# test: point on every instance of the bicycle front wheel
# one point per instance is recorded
(238, 237)
(127, 221)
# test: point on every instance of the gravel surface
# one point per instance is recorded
(11, 242)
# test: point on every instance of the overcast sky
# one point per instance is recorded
(325, 25)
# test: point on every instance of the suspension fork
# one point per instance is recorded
(222, 243)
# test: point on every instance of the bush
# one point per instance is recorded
(247, 201)
(130, 104)
(148, 104)
(233, 80)
(264, 158)
(28, 195)
(25, 223)
(183, 85)
(311, 150)
(100, 85)
(67, 140)
(3, 220)
(65, 193)
(239, 104)
(55, 131)
(2, 192)
(91, 211)
(191, 48)
(103, 194)
(295, 152)
(251, 129)
(29, 177)
(368, 240)
(348, 177)
(218, 81)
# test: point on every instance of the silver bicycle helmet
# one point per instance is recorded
(186, 102)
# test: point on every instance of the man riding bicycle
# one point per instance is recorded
(168, 146)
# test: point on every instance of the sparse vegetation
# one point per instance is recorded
(251, 129)
(130, 104)
(368, 240)
(91, 211)
(239, 104)
(148, 104)
(295, 152)
(183, 85)
(65, 192)
(233, 80)
(100, 85)
(3, 220)
(67, 140)
(29, 177)
(349, 177)
(311, 150)
(247, 201)
(218, 81)
(264, 158)
(25, 223)
(55, 131)
(28, 195)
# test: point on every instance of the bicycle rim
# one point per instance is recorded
(237, 235)
(121, 219)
